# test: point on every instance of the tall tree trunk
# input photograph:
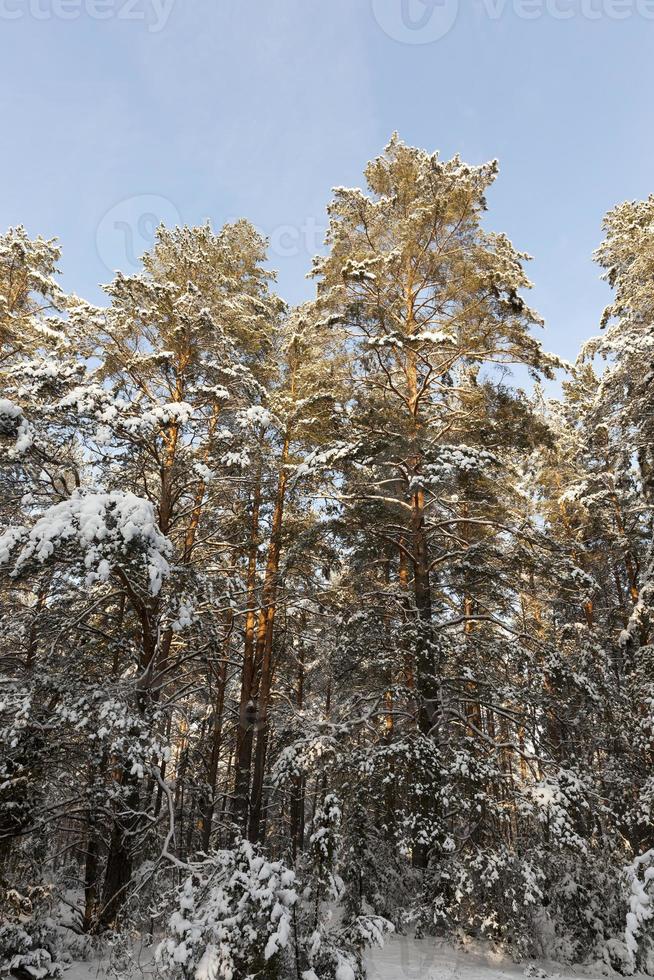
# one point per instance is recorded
(91, 873)
(264, 651)
(118, 872)
(297, 786)
(247, 710)
(216, 745)
(427, 686)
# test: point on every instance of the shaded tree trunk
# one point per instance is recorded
(247, 709)
(264, 651)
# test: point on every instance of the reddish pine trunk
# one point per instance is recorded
(264, 652)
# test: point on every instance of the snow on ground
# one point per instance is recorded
(403, 958)
(137, 963)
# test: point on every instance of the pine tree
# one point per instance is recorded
(313, 619)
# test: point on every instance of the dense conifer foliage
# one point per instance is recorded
(315, 624)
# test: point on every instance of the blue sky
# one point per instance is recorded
(119, 112)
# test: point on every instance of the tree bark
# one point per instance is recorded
(264, 650)
(247, 711)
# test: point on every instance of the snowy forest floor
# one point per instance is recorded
(403, 958)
